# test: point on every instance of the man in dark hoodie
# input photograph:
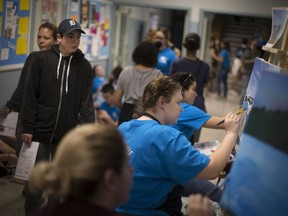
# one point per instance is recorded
(57, 96)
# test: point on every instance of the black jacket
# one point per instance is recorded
(16, 99)
(57, 95)
(72, 208)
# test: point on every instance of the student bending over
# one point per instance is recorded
(162, 157)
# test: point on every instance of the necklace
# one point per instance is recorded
(151, 116)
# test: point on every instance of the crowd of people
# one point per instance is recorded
(139, 158)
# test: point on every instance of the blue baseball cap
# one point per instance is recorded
(69, 25)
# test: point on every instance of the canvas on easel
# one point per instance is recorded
(277, 45)
(257, 183)
(260, 67)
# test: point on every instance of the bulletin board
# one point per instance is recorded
(95, 19)
(14, 33)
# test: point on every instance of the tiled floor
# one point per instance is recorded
(12, 201)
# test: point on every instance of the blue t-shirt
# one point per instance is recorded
(165, 60)
(190, 119)
(225, 55)
(97, 83)
(161, 157)
(112, 111)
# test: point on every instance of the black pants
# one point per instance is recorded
(34, 200)
(173, 204)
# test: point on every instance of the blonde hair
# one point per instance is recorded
(80, 162)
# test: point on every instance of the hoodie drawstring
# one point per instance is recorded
(58, 67)
(67, 75)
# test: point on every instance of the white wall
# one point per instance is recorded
(243, 7)
(139, 17)
(196, 9)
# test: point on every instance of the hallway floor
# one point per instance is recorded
(12, 200)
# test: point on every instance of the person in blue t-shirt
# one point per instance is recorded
(162, 157)
(166, 55)
(192, 119)
(108, 113)
(225, 66)
(98, 80)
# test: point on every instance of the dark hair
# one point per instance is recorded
(107, 88)
(116, 72)
(50, 26)
(212, 38)
(146, 53)
(244, 41)
(185, 79)
(226, 45)
(192, 42)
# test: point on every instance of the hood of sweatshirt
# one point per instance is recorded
(77, 54)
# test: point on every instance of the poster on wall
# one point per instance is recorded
(257, 182)
(84, 14)
(95, 20)
(14, 33)
(49, 9)
(74, 9)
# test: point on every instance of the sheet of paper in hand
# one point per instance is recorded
(26, 160)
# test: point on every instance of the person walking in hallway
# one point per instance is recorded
(46, 37)
(225, 66)
(133, 79)
(193, 65)
(57, 96)
(166, 54)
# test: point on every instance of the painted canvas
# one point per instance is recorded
(258, 181)
(279, 21)
(260, 66)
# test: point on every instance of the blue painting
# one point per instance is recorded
(260, 66)
(257, 184)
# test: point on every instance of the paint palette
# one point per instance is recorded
(207, 148)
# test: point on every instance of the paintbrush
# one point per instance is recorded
(237, 113)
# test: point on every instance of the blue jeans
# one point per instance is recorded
(222, 78)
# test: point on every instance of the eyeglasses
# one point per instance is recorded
(186, 79)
